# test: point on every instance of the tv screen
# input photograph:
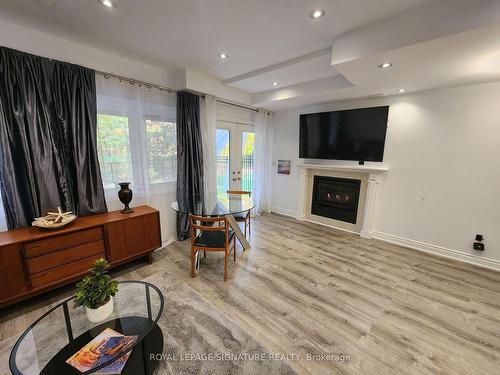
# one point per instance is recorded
(353, 134)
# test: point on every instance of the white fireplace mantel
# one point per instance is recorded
(375, 174)
(346, 168)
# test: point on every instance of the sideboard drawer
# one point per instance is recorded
(66, 271)
(49, 245)
(58, 258)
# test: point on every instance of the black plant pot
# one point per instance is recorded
(125, 195)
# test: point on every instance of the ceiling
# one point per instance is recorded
(276, 41)
(191, 33)
(459, 59)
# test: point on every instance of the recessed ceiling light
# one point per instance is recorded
(385, 65)
(107, 3)
(222, 55)
(400, 91)
(317, 13)
(275, 83)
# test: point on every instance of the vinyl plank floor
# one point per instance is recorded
(311, 290)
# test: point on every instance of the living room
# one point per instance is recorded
(234, 187)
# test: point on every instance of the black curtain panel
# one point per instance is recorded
(48, 124)
(189, 159)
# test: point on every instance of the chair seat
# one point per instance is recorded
(240, 216)
(213, 238)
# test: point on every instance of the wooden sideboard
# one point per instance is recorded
(34, 260)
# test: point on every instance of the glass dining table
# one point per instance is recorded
(218, 205)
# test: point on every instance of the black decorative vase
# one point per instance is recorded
(125, 195)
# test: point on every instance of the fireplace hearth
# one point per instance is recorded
(336, 198)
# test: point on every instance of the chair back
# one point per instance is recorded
(240, 192)
(200, 223)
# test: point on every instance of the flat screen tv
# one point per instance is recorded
(353, 134)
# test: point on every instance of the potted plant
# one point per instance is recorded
(96, 292)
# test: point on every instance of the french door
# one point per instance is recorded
(235, 157)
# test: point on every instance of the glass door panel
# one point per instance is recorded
(247, 160)
(235, 157)
(222, 145)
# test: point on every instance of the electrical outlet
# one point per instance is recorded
(479, 246)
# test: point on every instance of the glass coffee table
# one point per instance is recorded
(61, 332)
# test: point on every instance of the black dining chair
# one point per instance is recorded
(206, 236)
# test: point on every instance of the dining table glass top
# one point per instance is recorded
(214, 205)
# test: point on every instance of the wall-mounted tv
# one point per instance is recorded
(353, 134)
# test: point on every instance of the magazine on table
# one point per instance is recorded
(107, 345)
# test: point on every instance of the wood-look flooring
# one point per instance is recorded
(310, 290)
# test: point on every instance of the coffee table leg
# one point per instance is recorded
(152, 344)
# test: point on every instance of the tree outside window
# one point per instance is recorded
(161, 146)
(114, 150)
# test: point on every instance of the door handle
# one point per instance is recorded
(234, 179)
(239, 179)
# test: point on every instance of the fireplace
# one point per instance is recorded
(336, 198)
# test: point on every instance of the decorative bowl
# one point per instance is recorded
(54, 220)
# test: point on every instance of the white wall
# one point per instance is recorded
(225, 112)
(43, 44)
(40, 43)
(443, 186)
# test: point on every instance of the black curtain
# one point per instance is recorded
(189, 159)
(48, 125)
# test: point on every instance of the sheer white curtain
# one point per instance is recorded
(208, 134)
(262, 158)
(3, 222)
(136, 136)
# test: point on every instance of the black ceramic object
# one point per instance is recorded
(125, 195)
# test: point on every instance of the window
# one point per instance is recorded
(222, 149)
(247, 151)
(114, 150)
(136, 137)
(161, 144)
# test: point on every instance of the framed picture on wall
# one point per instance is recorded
(284, 166)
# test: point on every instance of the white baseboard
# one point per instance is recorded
(283, 211)
(412, 244)
(438, 250)
(168, 242)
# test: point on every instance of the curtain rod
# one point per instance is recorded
(168, 89)
(135, 81)
(237, 105)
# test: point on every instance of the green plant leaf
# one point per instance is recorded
(95, 289)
